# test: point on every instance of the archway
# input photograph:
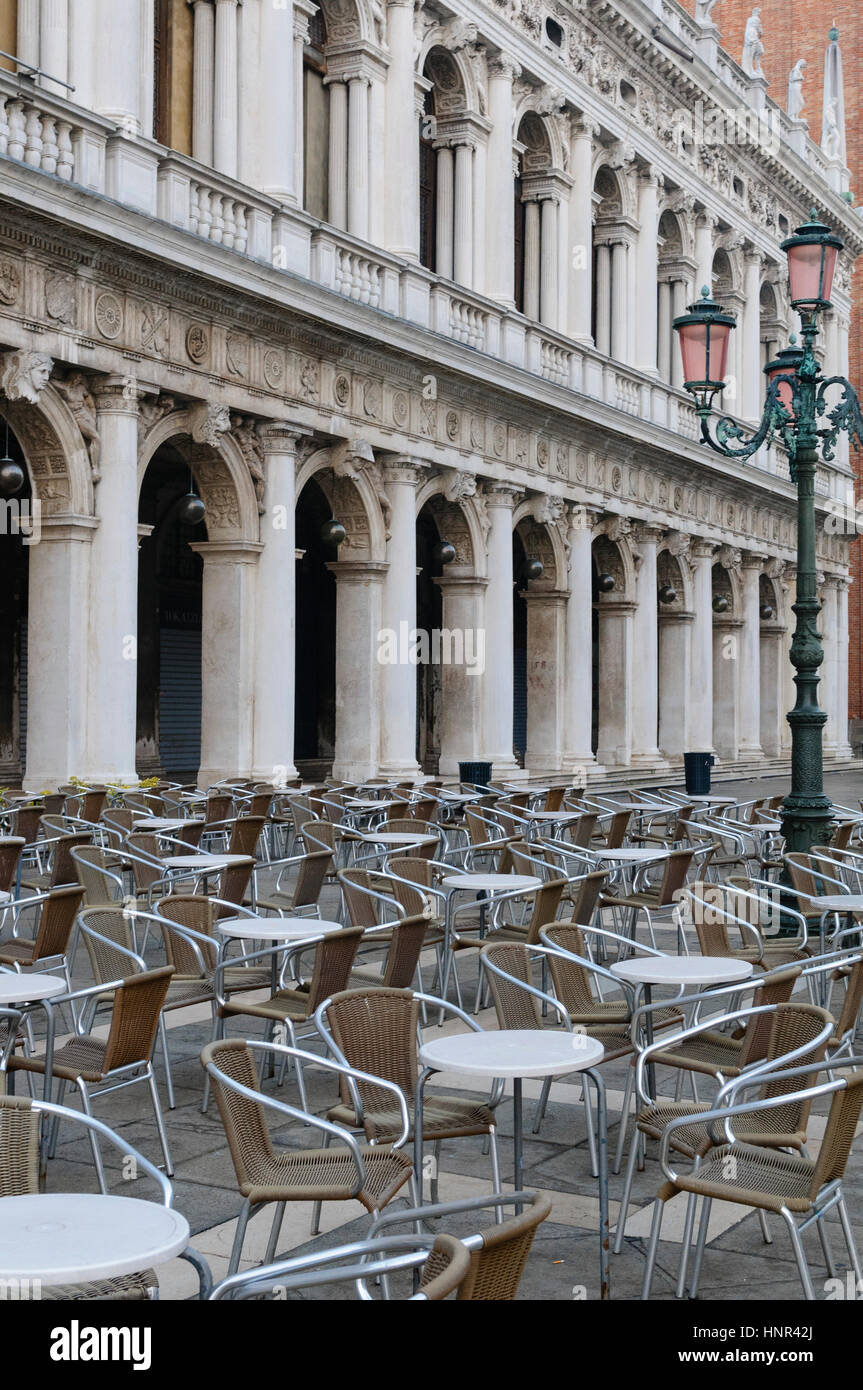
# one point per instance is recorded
(675, 617)
(772, 662)
(726, 660)
(611, 242)
(315, 695)
(613, 584)
(17, 524)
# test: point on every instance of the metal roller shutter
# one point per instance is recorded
(180, 700)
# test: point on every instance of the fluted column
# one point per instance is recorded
(377, 173)
(665, 345)
(750, 392)
(463, 228)
(645, 688)
(228, 694)
(829, 667)
(225, 89)
(843, 747)
(578, 689)
(203, 63)
(500, 229)
(620, 301)
(338, 155)
(401, 149)
(548, 263)
(647, 256)
(358, 157)
(701, 669)
(117, 76)
(27, 43)
(399, 679)
(275, 99)
(275, 609)
(603, 298)
(678, 306)
(301, 36)
(749, 667)
(580, 238)
(444, 212)
(531, 258)
(112, 654)
(359, 585)
(497, 680)
(82, 51)
(772, 656)
(54, 43)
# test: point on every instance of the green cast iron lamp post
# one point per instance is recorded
(797, 411)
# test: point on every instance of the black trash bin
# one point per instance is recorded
(479, 774)
(697, 768)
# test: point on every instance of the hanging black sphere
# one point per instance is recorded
(766, 611)
(605, 583)
(191, 510)
(667, 593)
(720, 603)
(11, 477)
(444, 552)
(533, 568)
(333, 532)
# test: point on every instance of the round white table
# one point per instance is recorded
(704, 800)
(682, 971)
(514, 1054)
(204, 861)
(21, 988)
(165, 823)
(631, 855)
(280, 930)
(76, 1237)
(490, 883)
(833, 903)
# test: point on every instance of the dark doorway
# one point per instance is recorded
(315, 703)
(429, 619)
(519, 651)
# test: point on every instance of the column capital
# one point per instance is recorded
(403, 468)
(358, 571)
(279, 436)
(584, 127)
(502, 494)
(706, 221)
(729, 557)
(228, 552)
(701, 549)
(581, 516)
(651, 177)
(117, 395)
(503, 66)
(752, 560)
(646, 532)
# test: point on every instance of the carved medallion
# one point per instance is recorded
(237, 354)
(10, 282)
(109, 315)
(197, 342)
(274, 369)
(401, 408)
(60, 298)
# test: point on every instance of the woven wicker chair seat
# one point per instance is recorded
(197, 989)
(82, 1057)
(286, 1003)
(695, 1138)
(709, 1052)
(310, 1175)
(648, 900)
(17, 952)
(126, 1288)
(444, 1117)
(765, 1178)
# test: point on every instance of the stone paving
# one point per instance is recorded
(565, 1259)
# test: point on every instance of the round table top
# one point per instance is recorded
(26, 989)
(446, 794)
(512, 1052)
(840, 902)
(276, 928)
(7, 897)
(204, 861)
(706, 800)
(397, 837)
(682, 970)
(502, 883)
(361, 803)
(631, 856)
(73, 1237)
(163, 823)
(554, 815)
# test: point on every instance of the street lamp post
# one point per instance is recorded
(797, 411)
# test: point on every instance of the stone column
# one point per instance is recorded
(117, 76)
(275, 629)
(58, 653)
(444, 212)
(701, 669)
(27, 42)
(497, 680)
(749, 390)
(645, 688)
(678, 306)
(54, 43)
(619, 301)
(578, 687)
(337, 203)
(146, 66)
(480, 162)
(789, 689)
(603, 298)
(771, 654)
(500, 229)
(82, 51)
(615, 732)
(301, 38)
(358, 157)
(275, 99)
(462, 685)
(401, 149)
(548, 263)
(359, 585)
(225, 127)
(704, 228)
(399, 680)
(843, 747)
(827, 689)
(546, 676)
(113, 630)
(749, 666)
(665, 346)
(377, 136)
(203, 79)
(675, 682)
(228, 615)
(647, 257)
(531, 258)
(726, 687)
(463, 226)
(580, 248)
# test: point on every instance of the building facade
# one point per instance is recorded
(412, 269)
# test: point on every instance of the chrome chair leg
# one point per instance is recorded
(655, 1228)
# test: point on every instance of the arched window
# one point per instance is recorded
(428, 185)
(316, 120)
(611, 250)
(518, 242)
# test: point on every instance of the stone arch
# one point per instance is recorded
(726, 583)
(672, 569)
(220, 471)
(545, 543)
(349, 20)
(457, 521)
(613, 194)
(452, 81)
(613, 555)
(55, 453)
(357, 497)
(770, 592)
(544, 148)
(675, 235)
(727, 273)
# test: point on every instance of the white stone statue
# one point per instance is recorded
(24, 375)
(702, 10)
(753, 48)
(831, 141)
(796, 103)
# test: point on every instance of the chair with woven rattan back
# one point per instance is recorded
(440, 1263)
(245, 834)
(656, 901)
(89, 1060)
(50, 942)
(546, 901)
(731, 920)
(800, 1189)
(407, 825)
(100, 871)
(26, 821)
(373, 1175)
(303, 898)
(614, 835)
(11, 847)
(63, 869)
(375, 1030)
